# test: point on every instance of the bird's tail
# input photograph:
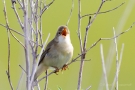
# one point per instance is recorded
(41, 68)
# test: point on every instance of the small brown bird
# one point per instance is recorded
(57, 53)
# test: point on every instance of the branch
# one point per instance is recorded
(17, 39)
(80, 42)
(117, 61)
(103, 66)
(110, 38)
(12, 29)
(104, 11)
(46, 81)
(22, 68)
(46, 7)
(84, 46)
(7, 24)
(7, 27)
(120, 60)
(88, 88)
(70, 12)
(18, 18)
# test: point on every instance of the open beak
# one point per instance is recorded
(64, 32)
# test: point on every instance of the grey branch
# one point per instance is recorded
(46, 7)
(70, 12)
(18, 18)
(12, 29)
(8, 35)
(104, 11)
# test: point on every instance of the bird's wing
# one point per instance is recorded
(50, 44)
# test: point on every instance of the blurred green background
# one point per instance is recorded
(57, 15)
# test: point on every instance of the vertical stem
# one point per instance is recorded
(117, 61)
(26, 40)
(46, 80)
(80, 40)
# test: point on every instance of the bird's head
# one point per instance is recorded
(62, 31)
(63, 34)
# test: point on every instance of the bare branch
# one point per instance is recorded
(104, 11)
(18, 18)
(17, 39)
(46, 7)
(120, 60)
(8, 35)
(81, 47)
(110, 38)
(70, 12)
(103, 66)
(88, 88)
(19, 1)
(46, 81)
(12, 29)
(117, 61)
(7, 27)
(22, 68)
(84, 45)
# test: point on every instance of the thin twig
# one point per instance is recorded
(104, 11)
(19, 1)
(111, 37)
(46, 7)
(120, 60)
(80, 42)
(18, 18)
(70, 12)
(117, 61)
(8, 35)
(22, 68)
(103, 66)
(40, 25)
(46, 81)
(12, 29)
(17, 39)
(88, 88)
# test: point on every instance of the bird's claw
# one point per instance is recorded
(64, 67)
(56, 70)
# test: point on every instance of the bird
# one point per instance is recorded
(57, 53)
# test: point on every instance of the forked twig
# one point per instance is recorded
(46, 7)
(12, 29)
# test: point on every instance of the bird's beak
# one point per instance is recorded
(64, 32)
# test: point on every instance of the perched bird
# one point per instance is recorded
(57, 53)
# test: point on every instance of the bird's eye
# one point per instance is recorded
(59, 33)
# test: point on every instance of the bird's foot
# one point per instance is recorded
(56, 71)
(64, 67)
